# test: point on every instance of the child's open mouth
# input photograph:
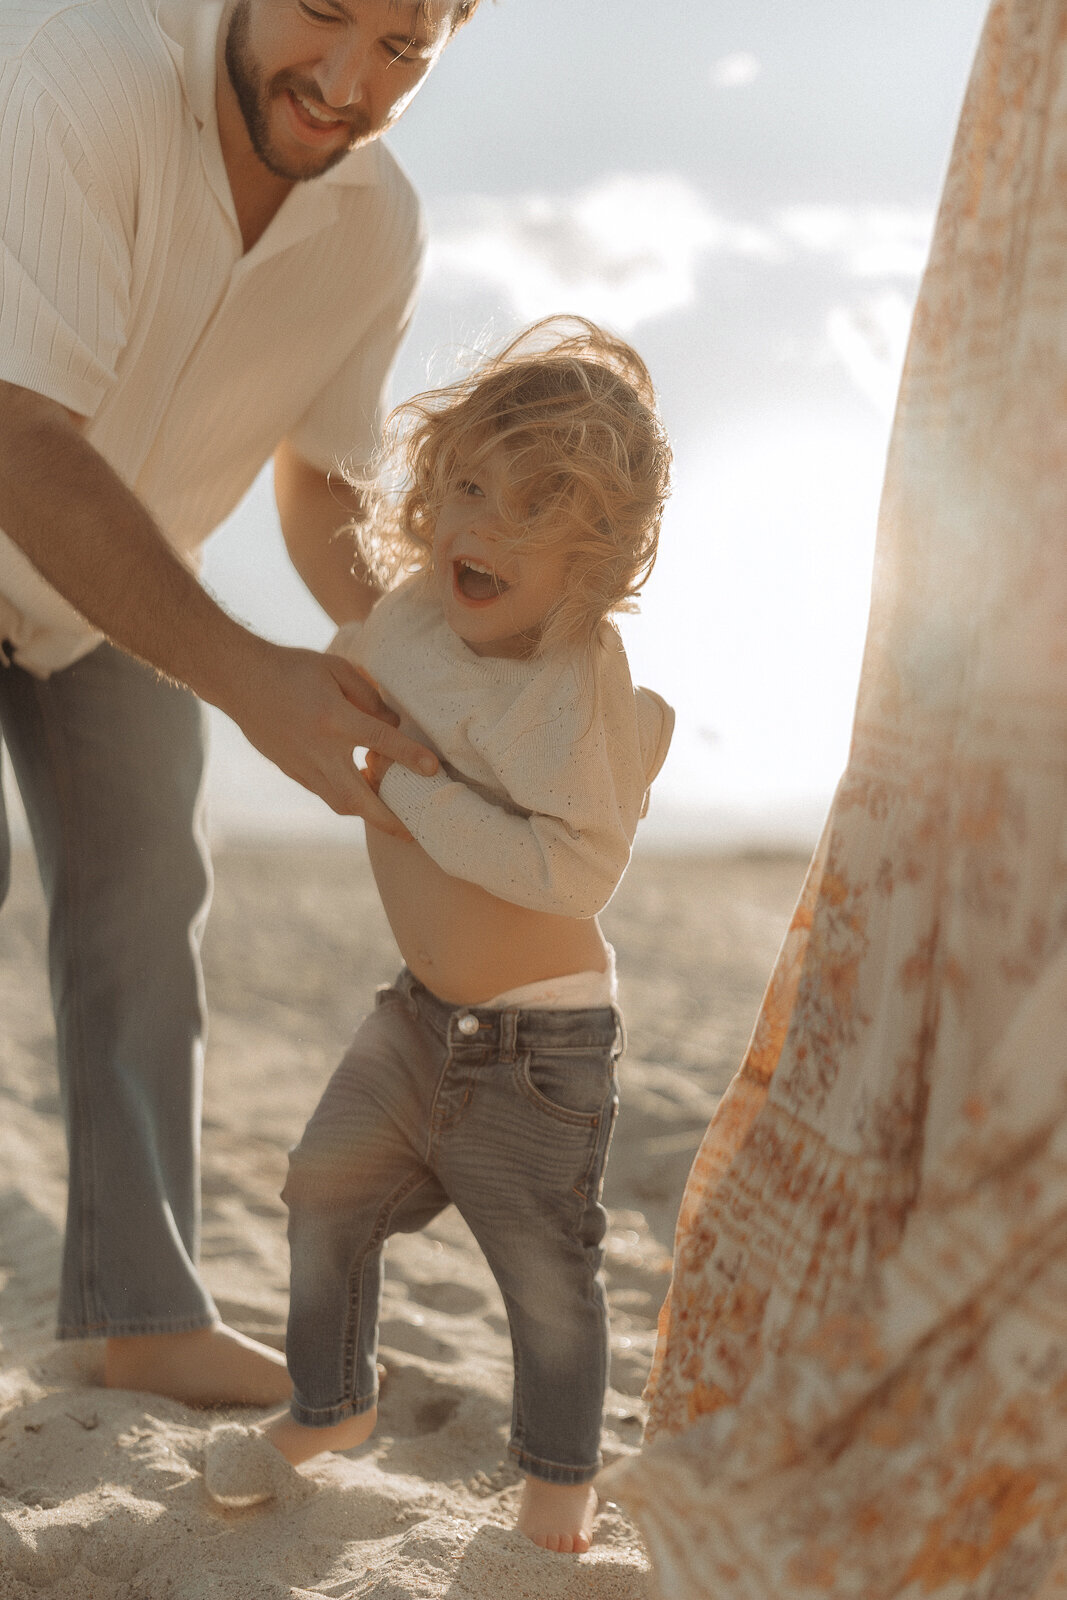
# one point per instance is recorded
(477, 583)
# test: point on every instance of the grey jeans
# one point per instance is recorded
(507, 1114)
(109, 760)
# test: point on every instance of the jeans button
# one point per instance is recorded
(467, 1024)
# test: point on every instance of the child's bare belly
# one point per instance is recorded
(464, 943)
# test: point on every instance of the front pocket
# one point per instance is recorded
(572, 1086)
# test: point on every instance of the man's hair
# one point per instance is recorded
(462, 11)
(573, 410)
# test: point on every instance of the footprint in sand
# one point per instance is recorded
(454, 1299)
(399, 1333)
(414, 1404)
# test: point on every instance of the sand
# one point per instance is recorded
(101, 1494)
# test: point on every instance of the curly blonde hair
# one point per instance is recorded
(574, 412)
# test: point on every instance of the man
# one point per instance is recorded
(178, 303)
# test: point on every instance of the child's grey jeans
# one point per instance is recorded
(508, 1115)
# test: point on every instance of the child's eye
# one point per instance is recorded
(316, 16)
(467, 486)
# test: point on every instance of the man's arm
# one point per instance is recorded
(94, 541)
(316, 512)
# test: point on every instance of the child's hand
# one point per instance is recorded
(373, 773)
(376, 768)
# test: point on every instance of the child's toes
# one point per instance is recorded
(567, 1544)
(242, 1468)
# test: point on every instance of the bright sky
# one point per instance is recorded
(746, 192)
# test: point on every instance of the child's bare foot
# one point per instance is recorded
(298, 1443)
(558, 1516)
(208, 1367)
(245, 1466)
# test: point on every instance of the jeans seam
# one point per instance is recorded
(518, 1422)
(327, 1416)
(605, 1132)
(108, 1329)
(434, 1127)
(357, 1273)
(553, 1471)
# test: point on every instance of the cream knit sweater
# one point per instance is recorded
(545, 764)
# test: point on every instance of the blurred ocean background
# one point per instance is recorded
(748, 194)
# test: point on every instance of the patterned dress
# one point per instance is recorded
(860, 1387)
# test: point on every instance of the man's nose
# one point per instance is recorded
(342, 75)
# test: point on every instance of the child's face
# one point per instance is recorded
(494, 593)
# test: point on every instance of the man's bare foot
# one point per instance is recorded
(298, 1443)
(558, 1516)
(208, 1367)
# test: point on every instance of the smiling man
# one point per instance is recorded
(178, 304)
(301, 121)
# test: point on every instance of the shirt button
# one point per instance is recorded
(467, 1024)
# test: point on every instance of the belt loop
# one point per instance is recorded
(406, 986)
(508, 1024)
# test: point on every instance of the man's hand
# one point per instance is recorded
(307, 713)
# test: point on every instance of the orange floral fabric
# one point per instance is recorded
(860, 1387)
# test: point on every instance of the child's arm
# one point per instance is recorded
(568, 854)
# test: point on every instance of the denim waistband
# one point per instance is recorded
(503, 1032)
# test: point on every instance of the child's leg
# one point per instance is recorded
(525, 1167)
(355, 1177)
(559, 1333)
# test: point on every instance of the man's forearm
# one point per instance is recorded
(94, 541)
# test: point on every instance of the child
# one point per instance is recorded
(530, 507)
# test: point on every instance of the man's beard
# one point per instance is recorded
(254, 98)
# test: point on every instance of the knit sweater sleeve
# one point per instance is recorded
(559, 839)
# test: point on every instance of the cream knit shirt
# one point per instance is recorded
(545, 764)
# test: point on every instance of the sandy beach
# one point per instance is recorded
(101, 1495)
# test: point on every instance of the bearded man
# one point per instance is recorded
(208, 259)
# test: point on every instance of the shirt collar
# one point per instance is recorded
(190, 29)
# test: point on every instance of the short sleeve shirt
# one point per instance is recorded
(126, 295)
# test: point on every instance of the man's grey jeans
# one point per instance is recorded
(109, 760)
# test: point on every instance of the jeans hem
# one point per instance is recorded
(552, 1471)
(328, 1416)
(134, 1330)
